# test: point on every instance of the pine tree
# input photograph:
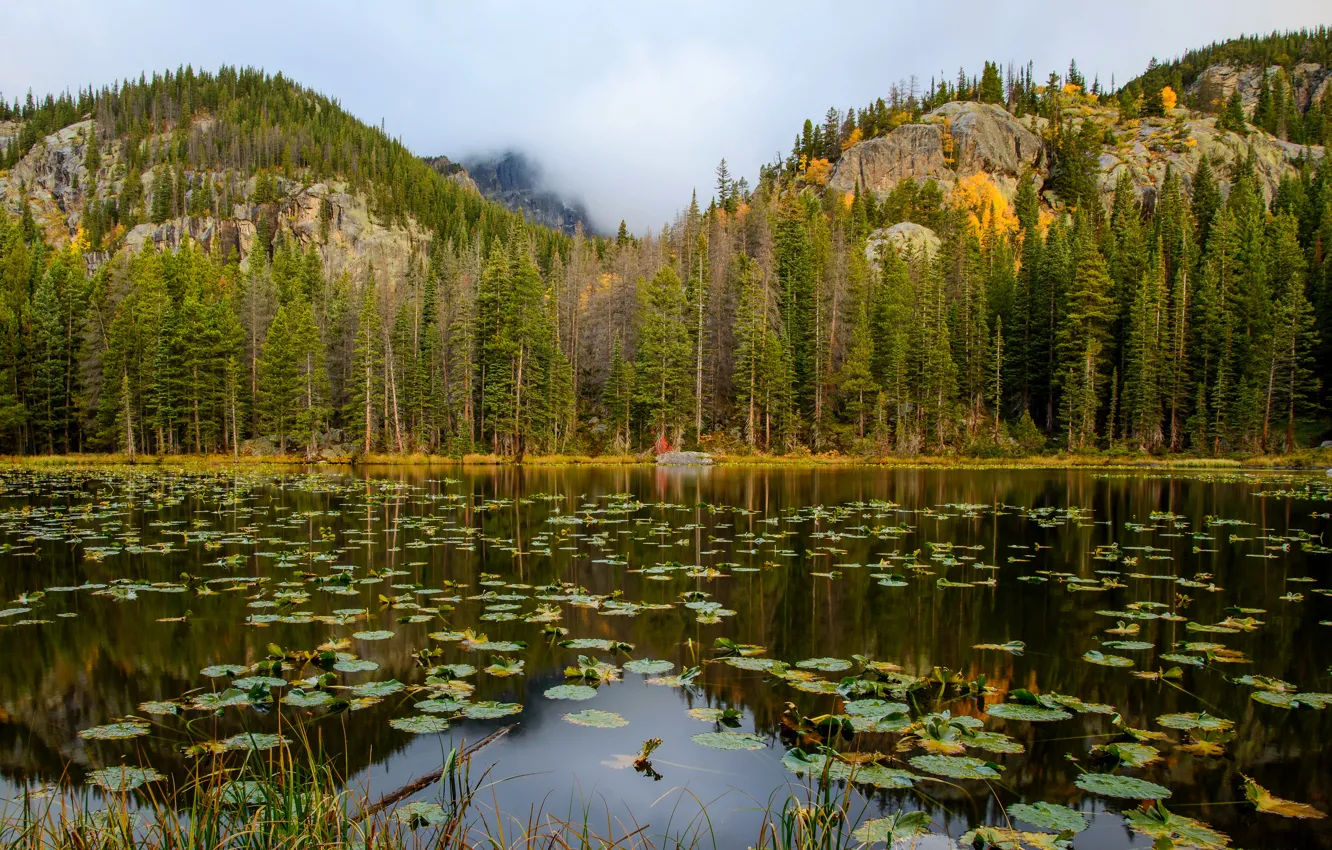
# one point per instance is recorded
(365, 388)
(618, 397)
(991, 87)
(1081, 340)
(663, 362)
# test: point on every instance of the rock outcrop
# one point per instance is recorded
(960, 139)
(55, 179)
(956, 140)
(1309, 82)
(1157, 144)
(905, 238)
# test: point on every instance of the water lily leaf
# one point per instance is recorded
(489, 710)
(222, 699)
(827, 665)
(957, 767)
(597, 718)
(1125, 787)
(1131, 754)
(159, 708)
(217, 671)
(241, 793)
(355, 665)
(254, 741)
(994, 742)
(1174, 830)
(423, 724)
(378, 634)
(875, 709)
(1020, 711)
(307, 699)
(649, 667)
(1290, 701)
(729, 740)
(902, 826)
(378, 689)
(574, 692)
(1014, 647)
(1002, 838)
(1265, 802)
(1107, 660)
(1193, 720)
(249, 683)
(1049, 816)
(420, 813)
(119, 780)
(115, 731)
(1130, 645)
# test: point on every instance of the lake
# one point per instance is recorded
(1056, 608)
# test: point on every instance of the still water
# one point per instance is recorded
(877, 579)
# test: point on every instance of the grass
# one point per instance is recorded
(291, 799)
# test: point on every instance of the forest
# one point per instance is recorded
(1198, 321)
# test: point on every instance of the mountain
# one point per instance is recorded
(515, 180)
(997, 266)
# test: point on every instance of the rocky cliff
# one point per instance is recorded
(955, 140)
(55, 179)
(1309, 82)
(960, 139)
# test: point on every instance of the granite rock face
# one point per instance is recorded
(1212, 89)
(956, 140)
(54, 178)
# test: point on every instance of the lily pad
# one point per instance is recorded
(378, 689)
(254, 741)
(901, 827)
(649, 667)
(1049, 816)
(1022, 711)
(1124, 787)
(115, 731)
(424, 724)
(307, 699)
(119, 780)
(1107, 660)
(377, 634)
(957, 767)
(597, 718)
(573, 692)
(491, 710)
(827, 665)
(420, 813)
(729, 740)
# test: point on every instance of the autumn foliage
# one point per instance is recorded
(988, 212)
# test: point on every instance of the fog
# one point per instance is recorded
(627, 106)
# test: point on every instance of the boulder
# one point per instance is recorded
(956, 140)
(906, 237)
(684, 459)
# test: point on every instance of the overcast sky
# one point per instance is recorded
(628, 105)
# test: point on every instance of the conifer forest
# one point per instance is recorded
(1079, 311)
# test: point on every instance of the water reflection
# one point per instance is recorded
(812, 593)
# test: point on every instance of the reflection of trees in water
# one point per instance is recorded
(75, 673)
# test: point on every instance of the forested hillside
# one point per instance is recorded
(992, 265)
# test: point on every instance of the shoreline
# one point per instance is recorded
(1304, 460)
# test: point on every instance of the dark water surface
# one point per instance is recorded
(796, 557)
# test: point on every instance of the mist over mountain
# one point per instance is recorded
(517, 181)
